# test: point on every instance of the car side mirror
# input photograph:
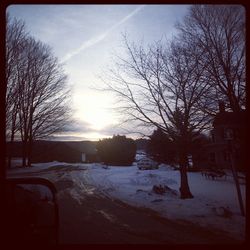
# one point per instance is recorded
(33, 211)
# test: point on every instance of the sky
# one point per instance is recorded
(85, 39)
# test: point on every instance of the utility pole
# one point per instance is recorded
(229, 138)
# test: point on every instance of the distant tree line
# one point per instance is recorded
(37, 96)
(174, 87)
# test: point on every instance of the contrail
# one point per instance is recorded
(126, 18)
(100, 37)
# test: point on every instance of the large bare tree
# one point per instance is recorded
(218, 31)
(39, 90)
(15, 43)
(160, 88)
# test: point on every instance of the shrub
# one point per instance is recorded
(118, 150)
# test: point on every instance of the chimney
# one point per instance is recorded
(221, 107)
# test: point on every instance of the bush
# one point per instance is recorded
(161, 148)
(118, 150)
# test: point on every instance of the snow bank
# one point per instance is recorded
(37, 167)
(68, 177)
(16, 163)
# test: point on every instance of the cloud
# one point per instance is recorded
(91, 42)
(80, 130)
(77, 126)
(111, 130)
(67, 138)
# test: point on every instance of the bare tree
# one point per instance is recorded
(218, 31)
(15, 40)
(160, 88)
(41, 94)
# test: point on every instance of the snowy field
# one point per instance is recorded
(214, 206)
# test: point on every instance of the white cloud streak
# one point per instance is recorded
(91, 42)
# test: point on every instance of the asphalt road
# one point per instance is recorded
(98, 219)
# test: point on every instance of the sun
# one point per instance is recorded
(94, 108)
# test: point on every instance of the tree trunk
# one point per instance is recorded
(10, 154)
(24, 156)
(30, 137)
(184, 188)
(13, 128)
(29, 152)
(9, 161)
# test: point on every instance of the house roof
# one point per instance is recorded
(230, 118)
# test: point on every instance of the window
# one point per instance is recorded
(212, 137)
(226, 156)
(212, 157)
(228, 134)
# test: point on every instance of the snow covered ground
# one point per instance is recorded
(214, 206)
(215, 203)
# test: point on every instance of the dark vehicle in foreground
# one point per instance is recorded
(32, 211)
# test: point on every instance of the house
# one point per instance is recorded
(64, 151)
(228, 139)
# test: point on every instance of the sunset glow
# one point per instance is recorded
(85, 39)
